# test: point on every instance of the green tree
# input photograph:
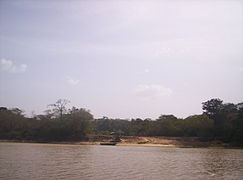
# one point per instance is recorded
(79, 121)
(213, 108)
(167, 116)
(198, 125)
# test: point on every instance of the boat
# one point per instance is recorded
(115, 139)
(108, 143)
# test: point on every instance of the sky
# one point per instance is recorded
(121, 59)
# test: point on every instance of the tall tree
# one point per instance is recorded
(59, 107)
(79, 122)
(212, 107)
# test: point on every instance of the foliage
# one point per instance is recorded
(220, 121)
(74, 125)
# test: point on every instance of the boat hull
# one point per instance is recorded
(108, 143)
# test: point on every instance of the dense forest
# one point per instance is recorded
(219, 121)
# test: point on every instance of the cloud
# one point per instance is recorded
(152, 91)
(241, 69)
(72, 81)
(9, 66)
(146, 70)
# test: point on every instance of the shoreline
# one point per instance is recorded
(135, 141)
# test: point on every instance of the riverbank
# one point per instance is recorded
(182, 142)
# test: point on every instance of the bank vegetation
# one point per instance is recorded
(219, 122)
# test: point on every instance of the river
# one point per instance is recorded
(27, 161)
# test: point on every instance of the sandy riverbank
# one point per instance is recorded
(159, 141)
(140, 141)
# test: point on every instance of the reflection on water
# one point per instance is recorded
(42, 161)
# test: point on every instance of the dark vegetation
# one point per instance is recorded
(219, 121)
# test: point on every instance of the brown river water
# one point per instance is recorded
(93, 162)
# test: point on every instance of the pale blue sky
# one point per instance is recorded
(122, 59)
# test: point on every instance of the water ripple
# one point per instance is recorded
(43, 161)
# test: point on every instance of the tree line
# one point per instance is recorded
(219, 121)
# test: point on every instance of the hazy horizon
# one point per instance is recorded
(121, 59)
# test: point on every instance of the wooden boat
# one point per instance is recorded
(108, 143)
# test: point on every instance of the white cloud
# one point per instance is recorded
(72, 81)
(9, 66)
(241, 69)
(152, 91)
(146, 70)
